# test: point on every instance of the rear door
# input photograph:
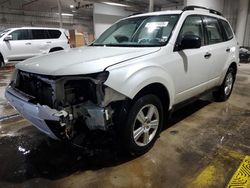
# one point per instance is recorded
(20, 47)
(41, 41)
(218, 48)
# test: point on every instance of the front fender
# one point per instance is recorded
(129, 80)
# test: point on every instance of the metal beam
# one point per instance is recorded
(60, 13)
(28, 3)
(151, 6)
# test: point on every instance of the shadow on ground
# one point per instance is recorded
(30, 154)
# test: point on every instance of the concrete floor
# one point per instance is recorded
(202, 146)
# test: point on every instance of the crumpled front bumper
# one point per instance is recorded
(36, 114)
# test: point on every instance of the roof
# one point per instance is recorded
(36, 28)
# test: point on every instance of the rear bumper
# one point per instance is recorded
(36, 114)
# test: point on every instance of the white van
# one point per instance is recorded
(21, 43)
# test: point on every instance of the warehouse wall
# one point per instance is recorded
(16, 18)
(105, 15)
(179, 7)
(247, 32)
(213, 4)
(230, 11)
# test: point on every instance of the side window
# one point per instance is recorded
(39, 34)
(192, 26)
(213, 30)
(228, 30)
(54, 34)
(22, 34)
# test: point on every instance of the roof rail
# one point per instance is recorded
(200, 7)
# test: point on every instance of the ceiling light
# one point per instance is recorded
(66, 14)
(116, 4)
(71, 6)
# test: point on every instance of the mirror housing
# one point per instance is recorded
(8, 37)
(190, 42)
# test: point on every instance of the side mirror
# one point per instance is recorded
(8, 37)
(190, 42)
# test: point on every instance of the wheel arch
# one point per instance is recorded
(234, 66)
(54, 49)
(157, 89)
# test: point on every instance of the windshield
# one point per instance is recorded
(2, 33)
(139, 31)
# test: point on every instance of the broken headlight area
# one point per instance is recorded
(78, 100)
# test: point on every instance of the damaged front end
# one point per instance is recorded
(62, 106)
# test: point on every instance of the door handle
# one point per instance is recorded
(28, 43)
(48, 42)
(207, 55)
(228, 49)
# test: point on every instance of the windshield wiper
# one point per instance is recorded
(126, 45)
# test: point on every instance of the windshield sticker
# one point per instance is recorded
(156, 24)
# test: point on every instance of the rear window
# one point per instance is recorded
(228, 30)
(54, 34)
(39, 34)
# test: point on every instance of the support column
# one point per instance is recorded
(242, 20)
(60, 13)
(213, 4)
(151, 6)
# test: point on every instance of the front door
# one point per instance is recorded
(20, 47)
(193, 65)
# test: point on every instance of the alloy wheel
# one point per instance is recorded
(146, 125)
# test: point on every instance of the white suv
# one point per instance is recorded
(130, 78)
(21, 43)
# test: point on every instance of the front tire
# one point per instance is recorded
(143, 125)
(225, 90)
(1, 62)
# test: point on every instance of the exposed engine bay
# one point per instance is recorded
(77, 101)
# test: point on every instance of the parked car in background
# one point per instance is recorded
(21, 43)
(244, 55)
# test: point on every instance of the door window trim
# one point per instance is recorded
(29, 34)
(221, 31)
(224, 30)
(203, 31)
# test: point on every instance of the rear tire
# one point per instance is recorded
(143, 125)
(225, 90)
(1, 62)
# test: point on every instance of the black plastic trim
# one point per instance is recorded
(200, 7)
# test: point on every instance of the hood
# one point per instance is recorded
(83, 60)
